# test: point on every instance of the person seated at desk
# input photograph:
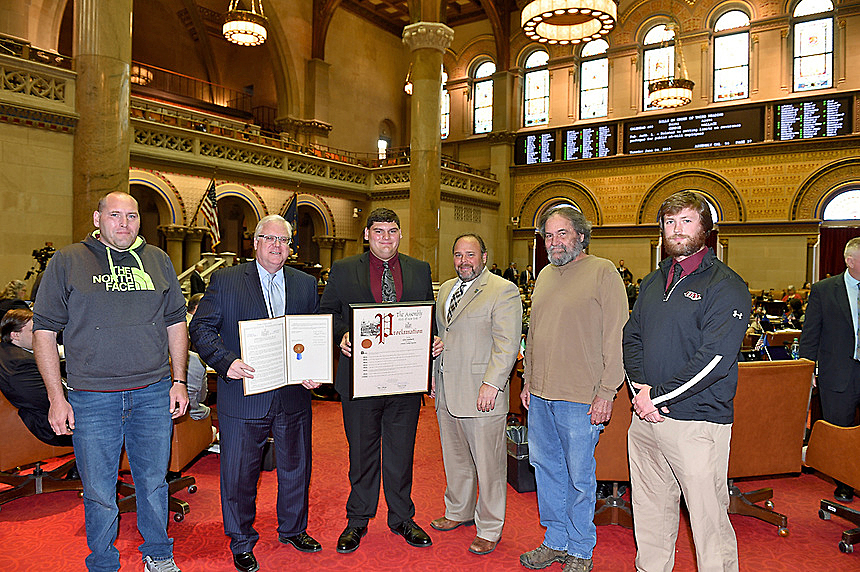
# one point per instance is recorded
(793, 318)
(13, 297)
(791, 294)
(198, 384)
(20, 380)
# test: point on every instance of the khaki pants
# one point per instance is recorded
(669, 458)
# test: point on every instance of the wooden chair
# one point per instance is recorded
(21, 450)
(771, 406)
(612, 465)
(190, 438)
(833, 450)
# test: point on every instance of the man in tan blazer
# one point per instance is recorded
(479, 317)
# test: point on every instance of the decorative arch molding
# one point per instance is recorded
(244, 192)
(558, 190)
(460, 64)
(318, 204)
(725, 198)
(821, 185)
(167, 190)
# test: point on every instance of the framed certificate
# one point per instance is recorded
(286, 350)
(391, 348)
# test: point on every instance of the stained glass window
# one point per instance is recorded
(845, 206)
(659, 60)
(536, 89)
(445, 106)
(482, 96)
(813, 45)
(731, 56)
(594, 83)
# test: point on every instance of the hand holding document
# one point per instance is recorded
(287, 350)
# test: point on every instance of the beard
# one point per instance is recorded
(561, 254)
(467, 273)
(691, 245)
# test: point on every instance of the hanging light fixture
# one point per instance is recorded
(568, 21)
(245, 27)
(140, 75)
(674, 91)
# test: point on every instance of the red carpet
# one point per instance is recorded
(47, 532)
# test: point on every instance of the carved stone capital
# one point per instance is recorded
(173, 232)
(497, 137)
(196, 232)
(324, 241)
(433, 35)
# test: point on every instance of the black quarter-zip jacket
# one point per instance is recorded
(685, 343)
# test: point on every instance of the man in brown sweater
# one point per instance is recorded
(573, 367)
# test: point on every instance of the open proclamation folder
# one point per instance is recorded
(287, 350)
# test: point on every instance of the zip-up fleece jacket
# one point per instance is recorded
(113, 307)
(685, 344)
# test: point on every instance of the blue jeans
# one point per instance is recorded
(103, 420)
(561, 449)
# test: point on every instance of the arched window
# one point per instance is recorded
(658, 59)
(844, 206)
(732, 56)
(445, 105)
(536, 89)
(812, 25)
(594, 82)
(482, 97)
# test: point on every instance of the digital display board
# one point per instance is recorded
(588, 142)
(825, 117)
(533, 148)
(695, 130)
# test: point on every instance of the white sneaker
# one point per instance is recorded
(166, 565)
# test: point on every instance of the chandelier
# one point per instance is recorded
(140, 75)
(568, 21)
(245, 27)
(674, 91)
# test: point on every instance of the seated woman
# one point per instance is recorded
(13, 296)
(794, 317)
(20, 380)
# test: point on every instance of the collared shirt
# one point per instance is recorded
(279, 283)
(687, 265)
(851, 287)
(457, 285)
(376, 276)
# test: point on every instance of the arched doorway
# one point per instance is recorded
(237, 220)
(308, 249)
(840, 214)
(153, 213)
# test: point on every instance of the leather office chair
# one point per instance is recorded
(833, 450)
(612, 465)
(190, 438)
(771, 406)
(22, 450)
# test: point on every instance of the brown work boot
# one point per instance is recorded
(574, 564)
(541, 557)
(445, 524)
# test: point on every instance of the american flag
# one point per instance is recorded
(761, 343)
(209, 209)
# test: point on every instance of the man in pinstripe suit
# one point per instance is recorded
(260, 289)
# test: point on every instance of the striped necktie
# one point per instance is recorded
(455, 299)
(276, 301)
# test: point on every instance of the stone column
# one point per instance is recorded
(655, 252)
(428, 41)
(102, 52)
(501, 158)
(811, 244)
(193, 244)
(724, 245)
(337, 249)
(175, 236)
(325, 243)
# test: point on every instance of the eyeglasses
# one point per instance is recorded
(272, 239)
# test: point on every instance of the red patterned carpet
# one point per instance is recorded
(47, 532)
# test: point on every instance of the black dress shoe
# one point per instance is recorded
(302, 542)
(412, 533)
(245, 562)
(843, 493)
(350, 538)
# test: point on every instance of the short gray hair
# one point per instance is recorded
(852, 246)
(580, 224)
(273, 218)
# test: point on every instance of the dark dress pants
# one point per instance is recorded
(242, 442)
(840, 407)
(380, 427)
